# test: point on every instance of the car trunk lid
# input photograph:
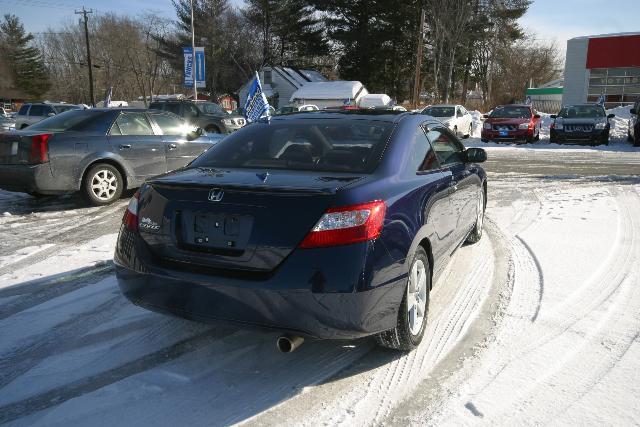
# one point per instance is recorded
(246, 220)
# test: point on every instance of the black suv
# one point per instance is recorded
(633, 134)
(583, 123)
(207, 115)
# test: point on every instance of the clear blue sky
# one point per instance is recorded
(560, 20)
(550, 19)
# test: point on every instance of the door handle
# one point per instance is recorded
(125, 146)
(172, 146)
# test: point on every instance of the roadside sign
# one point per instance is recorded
(194, 70)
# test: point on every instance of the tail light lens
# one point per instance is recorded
(130, 218)
(345, 225)
(39, 149)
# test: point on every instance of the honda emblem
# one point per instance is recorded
(216, 194)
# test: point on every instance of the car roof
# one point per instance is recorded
(445, 105)
(515, 105)
(392, 116)
(53, 104)
(585, 104)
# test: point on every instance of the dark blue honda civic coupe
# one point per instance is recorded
(325, 225)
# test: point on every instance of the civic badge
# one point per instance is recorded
(216, 194)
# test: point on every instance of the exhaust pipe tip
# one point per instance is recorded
(288, 343)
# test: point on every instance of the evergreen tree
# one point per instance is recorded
(25, 60)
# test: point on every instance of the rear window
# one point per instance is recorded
(75, 120)
(511, 113)
(37, 110)
(314, 145)
(155, 106)
(23, 110)
(440, 111)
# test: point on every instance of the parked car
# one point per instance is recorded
(295, 109)
(325, 224)
(207, 115)
(511, 123)
(7, 124)
(455, 117)
(33, 113)
(633, 134)
(583, 123)
(98, 152)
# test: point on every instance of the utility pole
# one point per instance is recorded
(84, 13)
(193, 56)
(416, 83)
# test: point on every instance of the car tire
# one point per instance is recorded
(212, 129)
(455, 131)
(102, 185)
(469, 132)
(629, 137)
(409, 329)
(537, 137)
(476, 233)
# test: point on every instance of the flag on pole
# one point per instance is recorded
(107, 98)
(257, 104)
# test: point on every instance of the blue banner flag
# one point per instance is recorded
(256, 105)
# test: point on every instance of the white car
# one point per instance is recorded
(455, 117)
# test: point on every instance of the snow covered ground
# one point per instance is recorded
(537, 324)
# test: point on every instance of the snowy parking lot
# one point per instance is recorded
(538, 323)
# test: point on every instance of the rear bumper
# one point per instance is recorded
(28, 178)
(291, 299)
(520, 135)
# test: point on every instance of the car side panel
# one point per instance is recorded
(107, 156)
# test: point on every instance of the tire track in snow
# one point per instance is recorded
(540, 276)
(74, 239)
(534, 341)
(367, 392)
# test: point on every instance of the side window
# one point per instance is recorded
(447, 149)
(170, 124)
(422, 156)
(190, 110)
(36, 110)
(115, 130)
(47, 110)
(172, 108)
(460, 113)
(23, 110)
(134, 124)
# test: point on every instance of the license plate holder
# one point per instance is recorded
(217, 231)
(504, 133)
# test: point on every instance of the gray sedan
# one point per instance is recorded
(98, 152)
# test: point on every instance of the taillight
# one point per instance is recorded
(130, 218)
(39, 149)
(345, 225)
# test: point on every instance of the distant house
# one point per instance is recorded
(279, 83)
(329, 94)
(227, 102)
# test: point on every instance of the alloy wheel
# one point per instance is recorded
(104, 184)
(417, 297)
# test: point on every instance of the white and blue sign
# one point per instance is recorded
(601, 100)
(192, 70)
(528, 100)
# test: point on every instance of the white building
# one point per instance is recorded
(279, 83)
(329, 94)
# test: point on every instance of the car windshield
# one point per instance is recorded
(581, 111)
(311, 145)
(211, 108)
(511, 113)
(439, 111)
(69, 120)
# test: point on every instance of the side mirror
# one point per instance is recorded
(633, 111)
(611, 116)
(553, 116)
(475, 155)
(536, 116)
(195, 134)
